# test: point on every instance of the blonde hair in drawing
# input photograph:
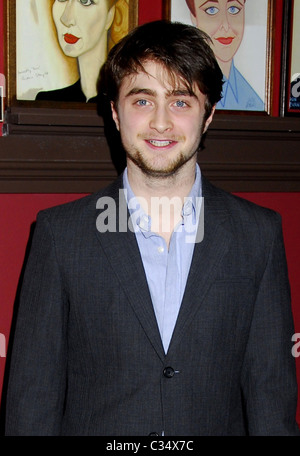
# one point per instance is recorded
(119, 27)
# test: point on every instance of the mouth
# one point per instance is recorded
(70, 39)
(160, 142)
(226, 40)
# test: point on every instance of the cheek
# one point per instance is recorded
(237, 25)
(124, 123)
(191, 123)
(238, 30)
(96, 27)
(57, 12)
(189, 128)
(131, 119)
(207, 24)
(91, 28)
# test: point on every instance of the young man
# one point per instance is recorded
(132, 326)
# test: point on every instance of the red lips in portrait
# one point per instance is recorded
(70, 39)
(225, 40)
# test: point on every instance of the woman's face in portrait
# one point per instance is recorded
(223, 21)
(81, 24)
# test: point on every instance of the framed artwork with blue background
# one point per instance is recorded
(292, 85)
(242, 39)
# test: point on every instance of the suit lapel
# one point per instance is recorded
(207, 255)
(123, 254)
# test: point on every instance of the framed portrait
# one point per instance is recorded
(291, 76)
(56, 48)
(242, 39)
(1, 103)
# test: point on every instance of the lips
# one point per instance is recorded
(225, 40)
(70, 39)
(159, 142)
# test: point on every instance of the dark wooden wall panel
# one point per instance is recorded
(48, 150)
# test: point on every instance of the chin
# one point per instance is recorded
(162, 169)
(159, 173)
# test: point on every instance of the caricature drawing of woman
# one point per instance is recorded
(224, 22)
(82, 28)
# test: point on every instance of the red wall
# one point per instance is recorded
(18, 212)
(1, 48)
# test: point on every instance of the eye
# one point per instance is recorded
(180, 104)
(142, 102)
(87, 2)
(233, 10)
(212, 10)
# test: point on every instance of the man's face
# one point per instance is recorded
(160, 125)
(223, 21)
(80, 24)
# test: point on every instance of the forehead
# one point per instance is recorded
(154, 73)
(224, 2)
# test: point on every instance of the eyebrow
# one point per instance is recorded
(208, 1)
(137, 91)
(217, 1)
(153, 93)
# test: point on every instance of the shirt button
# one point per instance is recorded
(168, 372)
(161, 249)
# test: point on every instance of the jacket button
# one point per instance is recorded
(153, 434)
(168, 372)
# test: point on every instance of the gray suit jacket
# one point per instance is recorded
(87, 355)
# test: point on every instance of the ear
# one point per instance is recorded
(115, 115)
(209, 119)
(110, 17)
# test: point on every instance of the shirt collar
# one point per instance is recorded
(142, 222)
(231, 83)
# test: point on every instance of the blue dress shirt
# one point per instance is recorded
(166, 269)
(238, 94)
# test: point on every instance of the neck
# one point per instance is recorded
(225, 67)
(89, 66)
(162, 198)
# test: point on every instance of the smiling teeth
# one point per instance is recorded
(159, 143)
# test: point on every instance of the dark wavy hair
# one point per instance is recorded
(183, 50)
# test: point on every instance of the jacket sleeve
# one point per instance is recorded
(37, 374)
(269, 376)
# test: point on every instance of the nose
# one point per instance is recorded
(225, 25)
(68, 16)
(161, 119)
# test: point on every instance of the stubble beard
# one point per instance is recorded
(155, 167)
(161, 172)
